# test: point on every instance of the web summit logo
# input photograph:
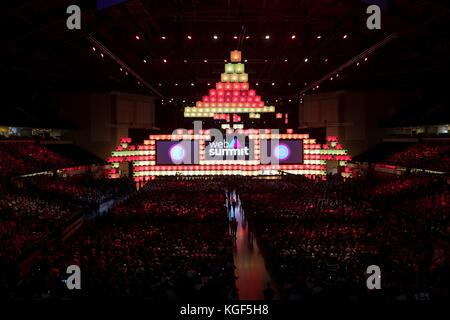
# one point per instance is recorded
(225, 148)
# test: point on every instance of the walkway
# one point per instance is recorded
(250, 266)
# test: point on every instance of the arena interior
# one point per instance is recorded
(225, 151)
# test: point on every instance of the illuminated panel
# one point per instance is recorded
(176, 152)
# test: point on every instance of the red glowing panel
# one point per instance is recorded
(244, 86)
(220, 93)
(205, 99)
(212, 92)
(251, 93)
(219, 86)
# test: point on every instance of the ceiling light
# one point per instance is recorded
(235, 37)
(145, 61)
(319, 36)
(285, 60)
(215, 37)
(185, 61)
(164, 60)
(209, 84)
(365, 59)
(293, 37)
(267, 37)
(306, 59)
(93, 49)
(345, 36)
(159, 84)
(101, 55)
(289, 83)
(273, 83)
(176, 84)
(326, 60)
(205, 61)
(257, 84)
(189, 37)
(245, 60)
(163, 37)
(137, 37)
(192, 84)
(247, 37)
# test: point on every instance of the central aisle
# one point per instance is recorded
(250, 266)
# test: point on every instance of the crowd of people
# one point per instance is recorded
(37, 210)
(169, 241)
(424, 155)
(82, 188)
(320, 237)
(21, 157)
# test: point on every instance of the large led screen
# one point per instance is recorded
(176, 152)
(231, 149)
(281, 151)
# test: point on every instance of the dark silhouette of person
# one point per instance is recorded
(268, 293)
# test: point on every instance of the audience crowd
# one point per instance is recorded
(423, 155)
(169, 241)
(21, 157)
(320, 237)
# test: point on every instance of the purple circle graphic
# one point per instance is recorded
(281, 151)
(177, 153)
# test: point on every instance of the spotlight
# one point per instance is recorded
(306, 59)
(189, 37)
(145, 61)
(273, 83)
(164, 60)
(319, 36)
(293, 36)
(93, 49)
(365, 59)
(267, 37)
(247, 37)
(345, 36)
(163, 37)
(235, 37)
(137, 37)
(285, 60)
(215, 37)
(205, 61)
(192, 84)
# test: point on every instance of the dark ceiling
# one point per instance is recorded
(40, 54)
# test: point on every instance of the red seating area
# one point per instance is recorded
(21, 157)
(319, 237)
(423, 155)
(169, 241)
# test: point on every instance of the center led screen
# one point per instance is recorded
(176, 152)
(283, 151)
(231, 149)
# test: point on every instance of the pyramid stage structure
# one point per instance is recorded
(238, 151)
